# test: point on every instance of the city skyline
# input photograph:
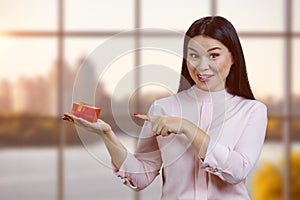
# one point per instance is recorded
(38, 95)
(263, 72)
(31, 57)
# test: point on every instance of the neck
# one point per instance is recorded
(208, 96)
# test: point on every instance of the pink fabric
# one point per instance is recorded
(237, 129)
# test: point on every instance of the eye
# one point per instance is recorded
(213, 55)
(193, 55)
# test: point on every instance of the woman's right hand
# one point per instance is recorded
(99, 127)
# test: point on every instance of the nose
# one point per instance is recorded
(203, 64)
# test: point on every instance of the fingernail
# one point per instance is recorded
(135, 114)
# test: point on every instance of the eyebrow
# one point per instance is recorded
(214, 48)
(190, 48)
(211, 49)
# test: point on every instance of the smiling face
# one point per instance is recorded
(208, 62)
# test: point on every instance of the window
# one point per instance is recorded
(93, 15)
(44, 159)
(265, 19)
(28, 15)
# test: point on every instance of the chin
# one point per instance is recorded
(203, 87)
(208, 88)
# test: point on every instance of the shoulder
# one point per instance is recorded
(248, 105)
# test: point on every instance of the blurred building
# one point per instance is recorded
(30, 96)
(5, 96)
(39, 97)
(68, 81)
(21, 95)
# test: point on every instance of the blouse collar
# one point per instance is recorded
(210, 97)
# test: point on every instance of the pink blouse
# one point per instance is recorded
(236, 127)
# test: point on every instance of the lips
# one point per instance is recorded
(204, 77)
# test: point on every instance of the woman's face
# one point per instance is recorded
(208, 62)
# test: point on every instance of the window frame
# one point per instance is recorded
(289, 34)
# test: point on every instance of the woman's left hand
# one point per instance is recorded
(165, 125)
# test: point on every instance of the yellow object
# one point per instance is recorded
(268, 181)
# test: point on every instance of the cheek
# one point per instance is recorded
(190, 69)
(223, 69)
(191, 72)
(192, 63)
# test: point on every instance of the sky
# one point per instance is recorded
(31, 57)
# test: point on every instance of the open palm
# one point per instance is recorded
(99, 127)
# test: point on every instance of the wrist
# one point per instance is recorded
(189, 129)
(204, 146)
(108, 133)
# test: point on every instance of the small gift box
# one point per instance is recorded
(85, 111)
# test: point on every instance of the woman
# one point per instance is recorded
(207, 137)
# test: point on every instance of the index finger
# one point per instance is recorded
(144, 117)
(68, 117)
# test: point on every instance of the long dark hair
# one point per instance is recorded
(220, 29)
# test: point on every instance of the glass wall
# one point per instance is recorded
(43, 158)
(28, 131)
(270, 53)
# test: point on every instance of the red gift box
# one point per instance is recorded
(86, 111)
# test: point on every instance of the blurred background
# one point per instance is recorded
(44, 42)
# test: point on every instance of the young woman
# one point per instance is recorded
(207, 137)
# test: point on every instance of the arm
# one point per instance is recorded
(230, 164)
(234, 164)
(141, 168)
(200, 140)
(114, 146)
(137, 170)
(165, 125)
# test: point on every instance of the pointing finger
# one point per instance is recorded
(144, 117)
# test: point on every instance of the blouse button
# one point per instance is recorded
(214, 170)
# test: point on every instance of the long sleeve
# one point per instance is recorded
(140, 169)
(236, 127)
(234, 164)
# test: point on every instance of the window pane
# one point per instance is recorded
(75, 52)
(266, 177)
(27, 171)
(26, 69)
(161, 63)
(264, 60)
(265, 65)
(161, 66)
(296, 68)
(296, 92)
(116, 69)
(86, 178)
(28, 14)
(166, 51)
(296, 15)
(87, 169)
(176, 15)
(254, 15)
(99, 15)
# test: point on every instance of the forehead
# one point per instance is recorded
(204, 43)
